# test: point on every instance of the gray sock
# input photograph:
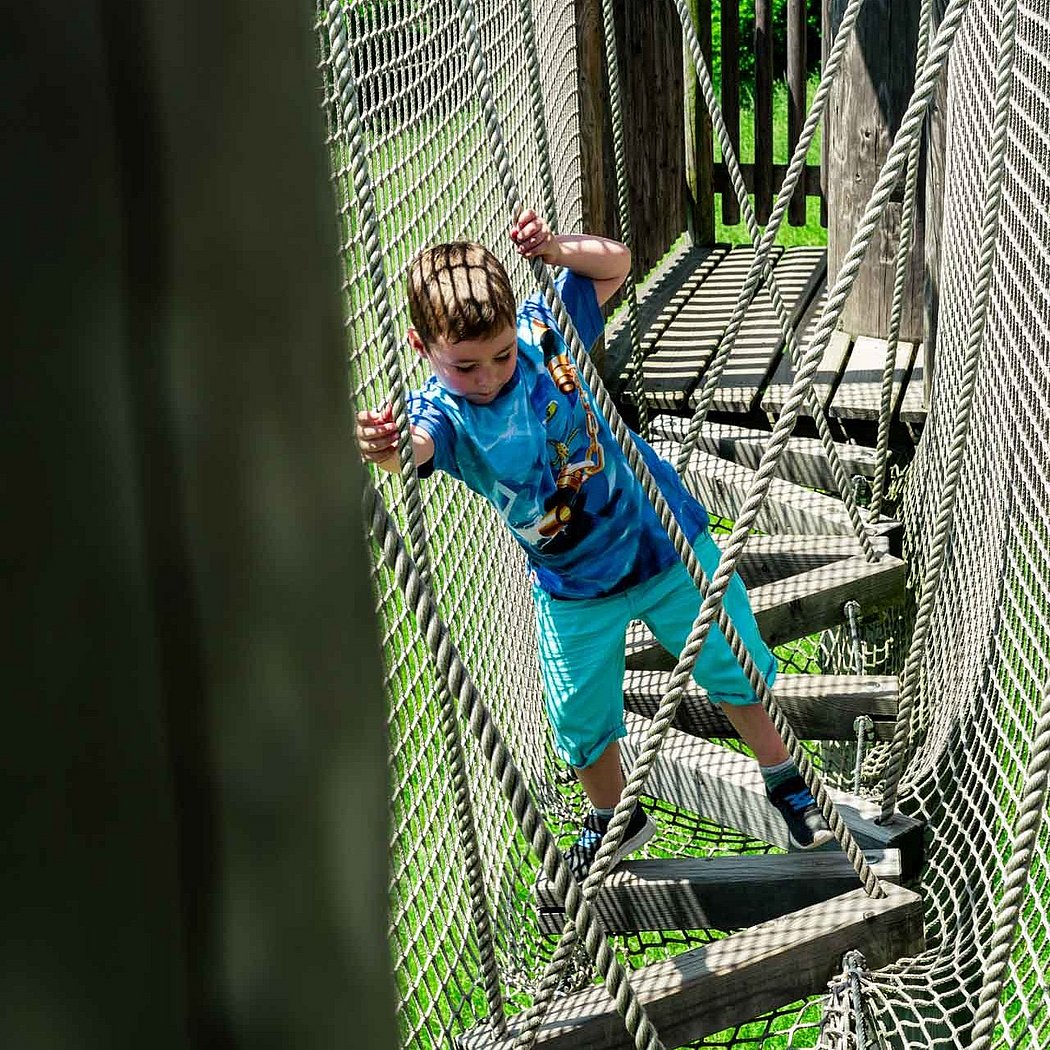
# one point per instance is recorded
(777, 774)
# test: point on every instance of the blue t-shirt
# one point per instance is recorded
(544, 456)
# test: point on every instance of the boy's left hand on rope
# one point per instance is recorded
(533, 238)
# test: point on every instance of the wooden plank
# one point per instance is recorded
(686, 346)
(769, 558)
(913, 403)
(828, 371)
(727, 787)
(803, 462)
(736, 978)
(660, 296)
(812, 601)
(818, 707)
(723, 487)
(859, 393)
(759, 343)
(716, 893)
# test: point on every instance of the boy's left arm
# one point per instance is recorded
(605, 262)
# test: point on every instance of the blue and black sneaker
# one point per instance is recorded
(580, 855)
(807, 828)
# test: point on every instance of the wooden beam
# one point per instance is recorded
(716, 893)
(727, 787)
(913, 404)
(803, 462)
(818, 707)
(737, 978)
(812, 601)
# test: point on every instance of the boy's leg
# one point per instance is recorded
(581, 650)
(603, 780)
(672, 607)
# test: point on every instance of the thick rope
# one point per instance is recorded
(539, 112)
(478, 717)
(761, 268)
(623, 211)
(349, 123)
(901, 268)
(944, 521)
(1029, 822)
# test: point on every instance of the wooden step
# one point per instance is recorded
(766, 559)
(716, 893)
(859, 391)
(735, 979)
(817, 707)
(812, 601)
(803, 462)
(796, 606)
(723, 487)
(726, 787)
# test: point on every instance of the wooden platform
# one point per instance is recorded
(737, 978)
(817, 706)
(685, 308)
(715, 893)
(727, 787)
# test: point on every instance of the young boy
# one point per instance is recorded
(506, 412)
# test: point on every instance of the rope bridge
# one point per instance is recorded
(444, 116)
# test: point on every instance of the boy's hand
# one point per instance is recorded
(533, 238)
(377, 434)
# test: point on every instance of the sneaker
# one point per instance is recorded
(807, 828)
(580, 855)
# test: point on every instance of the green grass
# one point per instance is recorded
(788, 236)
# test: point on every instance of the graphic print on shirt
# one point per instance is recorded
(576, 453)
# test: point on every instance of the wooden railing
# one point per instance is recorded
(658, 99)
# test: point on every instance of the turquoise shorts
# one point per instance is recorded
(581, 649)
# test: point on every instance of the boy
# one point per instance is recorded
(506, 412)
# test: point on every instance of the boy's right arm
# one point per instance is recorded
(377, 440)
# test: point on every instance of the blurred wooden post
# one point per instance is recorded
(699, 159)
(195, 798)
(864, 112)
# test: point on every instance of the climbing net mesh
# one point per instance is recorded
(972, 740)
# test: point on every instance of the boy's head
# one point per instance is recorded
(463, 315)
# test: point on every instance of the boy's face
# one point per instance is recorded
(477, 369)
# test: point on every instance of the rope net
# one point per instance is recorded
(971, 743)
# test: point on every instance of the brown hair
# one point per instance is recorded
(458, 291)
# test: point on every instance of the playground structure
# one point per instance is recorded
(923, 715)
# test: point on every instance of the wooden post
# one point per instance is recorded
(593, 94)
(796, 76)
(194, 756)
(730, 15)
(864, 112)
(649, 38)
(699, 156)
(935, 179)
(763, 109)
